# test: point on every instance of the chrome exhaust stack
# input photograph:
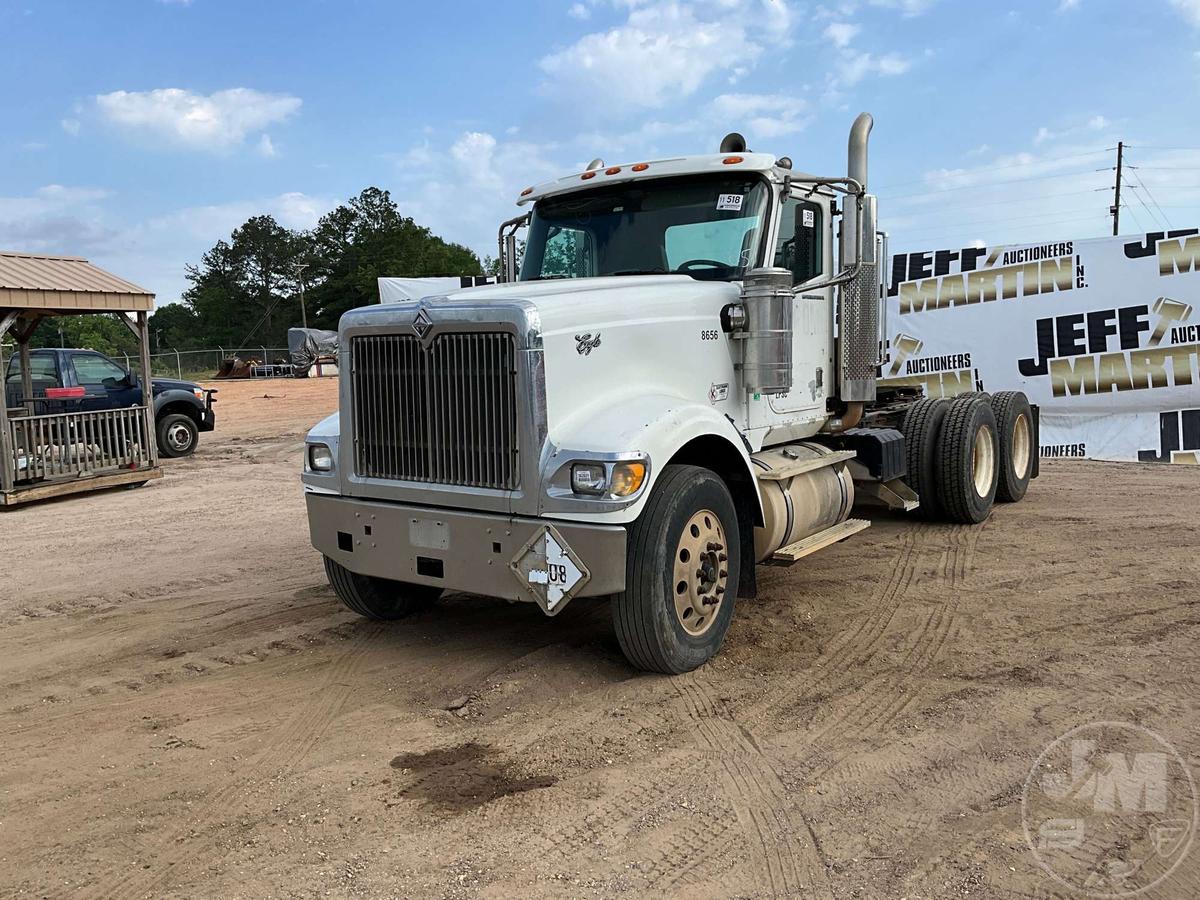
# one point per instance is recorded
(858, 301)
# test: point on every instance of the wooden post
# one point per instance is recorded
(143, 328)
(26, 369)
(8, 456)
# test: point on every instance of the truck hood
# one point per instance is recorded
(172, 384)
(571, 305)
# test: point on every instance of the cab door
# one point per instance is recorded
(802, 245)
(106, 385)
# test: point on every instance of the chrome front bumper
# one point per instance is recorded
(544, 561)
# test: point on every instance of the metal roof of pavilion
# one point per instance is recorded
(36, 281)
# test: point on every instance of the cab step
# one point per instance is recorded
(792, 553)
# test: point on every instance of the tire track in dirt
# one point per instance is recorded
(176, 854)
(784, 865)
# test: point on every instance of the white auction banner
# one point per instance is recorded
(1103, 335)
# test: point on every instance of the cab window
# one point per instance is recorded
(800, 245)
(93, 369)
(42, 370)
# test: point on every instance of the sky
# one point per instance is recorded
(137, 133)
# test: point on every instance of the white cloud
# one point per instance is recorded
(1068, 5)
(1098, 123)
(216, 122)
(266, 148)
(907, 8)
(1189, 9)
(665, 50)
(55, 219)
(854, 66)
(760, 116)
(70, 126)
(579, 11)
(841, 33)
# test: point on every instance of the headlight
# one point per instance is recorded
(619, 479)
(589, 478)
(199, 392)
(320, 458)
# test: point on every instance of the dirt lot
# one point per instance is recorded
(187, 711)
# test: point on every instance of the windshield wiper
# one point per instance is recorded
(546, 277)
(639, 272)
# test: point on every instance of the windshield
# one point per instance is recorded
(708, 227)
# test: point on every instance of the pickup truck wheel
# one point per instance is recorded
(177, 435)
(968, 461)
(378, 598)
(1014, 423)
(682, 573)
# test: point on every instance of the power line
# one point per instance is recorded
(1137, 195)
(1007, 166)
(1154, 147)
(1143, 190)
(1129, 209)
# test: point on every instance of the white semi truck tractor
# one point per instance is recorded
(675, 385)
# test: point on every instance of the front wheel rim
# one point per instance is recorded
(179, 437)
(701, 572)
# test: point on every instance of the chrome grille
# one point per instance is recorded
(445, 414)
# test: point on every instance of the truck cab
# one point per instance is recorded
(80, 380)
(661, 395)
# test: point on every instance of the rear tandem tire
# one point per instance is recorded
(378, 598)
(968, 461)
(679, 592)
(1014, 425)
(921, 427)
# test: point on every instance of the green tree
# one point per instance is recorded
(91, 332)
(364, 239)
(245, 289)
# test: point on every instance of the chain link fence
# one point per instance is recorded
(203, 365)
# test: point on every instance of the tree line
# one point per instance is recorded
(245, 291)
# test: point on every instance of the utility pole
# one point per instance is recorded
(300, 267)
(1116, 207)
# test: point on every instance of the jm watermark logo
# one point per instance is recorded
(1110, 809)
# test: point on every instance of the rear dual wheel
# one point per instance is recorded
(1014, 425)
(968, 461)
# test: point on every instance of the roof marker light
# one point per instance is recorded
(612, 170)
(527, 192)
(586, 175)
(732, 160)
(640, 167)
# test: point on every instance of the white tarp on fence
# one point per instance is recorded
(397, 290)
(1103, 334)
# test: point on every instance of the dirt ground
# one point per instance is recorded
(187, 711)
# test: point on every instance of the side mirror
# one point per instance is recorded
(132, 379)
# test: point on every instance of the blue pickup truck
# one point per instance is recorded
(84, 380)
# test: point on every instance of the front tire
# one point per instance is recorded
(682, 570)
(177, 435)
(378, 598)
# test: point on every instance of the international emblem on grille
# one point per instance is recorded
(422, 323)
